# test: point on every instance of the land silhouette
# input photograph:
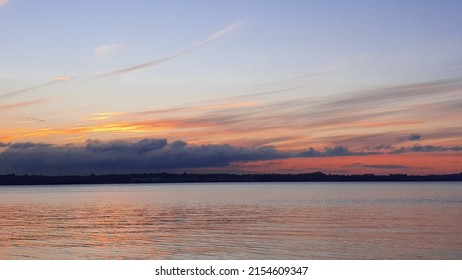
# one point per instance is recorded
(13, 179)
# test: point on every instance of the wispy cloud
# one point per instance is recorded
(62, 78)
(20, 104)
(215, 36)
(102, 116)
(361, 125)
(396, 93)
(3, 2)
(106, 49)
(29, 119)
(25, 90)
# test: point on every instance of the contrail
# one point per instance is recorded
(21, 91)
(205, 42)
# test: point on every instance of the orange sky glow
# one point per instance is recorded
(229, 95)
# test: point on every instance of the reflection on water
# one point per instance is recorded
(233, 221)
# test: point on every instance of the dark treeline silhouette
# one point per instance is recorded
(12, 179)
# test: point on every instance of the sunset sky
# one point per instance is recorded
(346, 87)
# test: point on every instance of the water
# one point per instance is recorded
(233, 221)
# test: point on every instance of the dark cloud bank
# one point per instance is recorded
(151, 155)
(147, 155)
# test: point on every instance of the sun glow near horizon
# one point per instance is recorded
(239, 91)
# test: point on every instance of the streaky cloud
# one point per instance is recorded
(62, 78)
(20, 104)
(22, 91)
(30, 119)
(314, 121)
(400, 92)
(215, 36)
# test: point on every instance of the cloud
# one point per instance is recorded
(316, 121)
(20, 104)
(62, 78)
(336, 151)
(4, 2)
(454, 132)
(120, 156)
(425, 149)
(364, 122)
(140, 147)
(377, 166)
(385, 166)
(29, 119)
(147, 155)
(215, 36)
(414, 137)
(105, 49)
(158, 155)
(28, 145)
(22, 91)
(398, 93)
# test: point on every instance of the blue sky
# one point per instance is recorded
(266, 58)
(279, 38)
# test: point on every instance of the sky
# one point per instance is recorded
(342, 87)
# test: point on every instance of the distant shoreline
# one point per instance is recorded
(12, 179)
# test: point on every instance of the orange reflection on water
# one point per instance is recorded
(233, 221)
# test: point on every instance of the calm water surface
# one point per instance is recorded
(233, 221)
